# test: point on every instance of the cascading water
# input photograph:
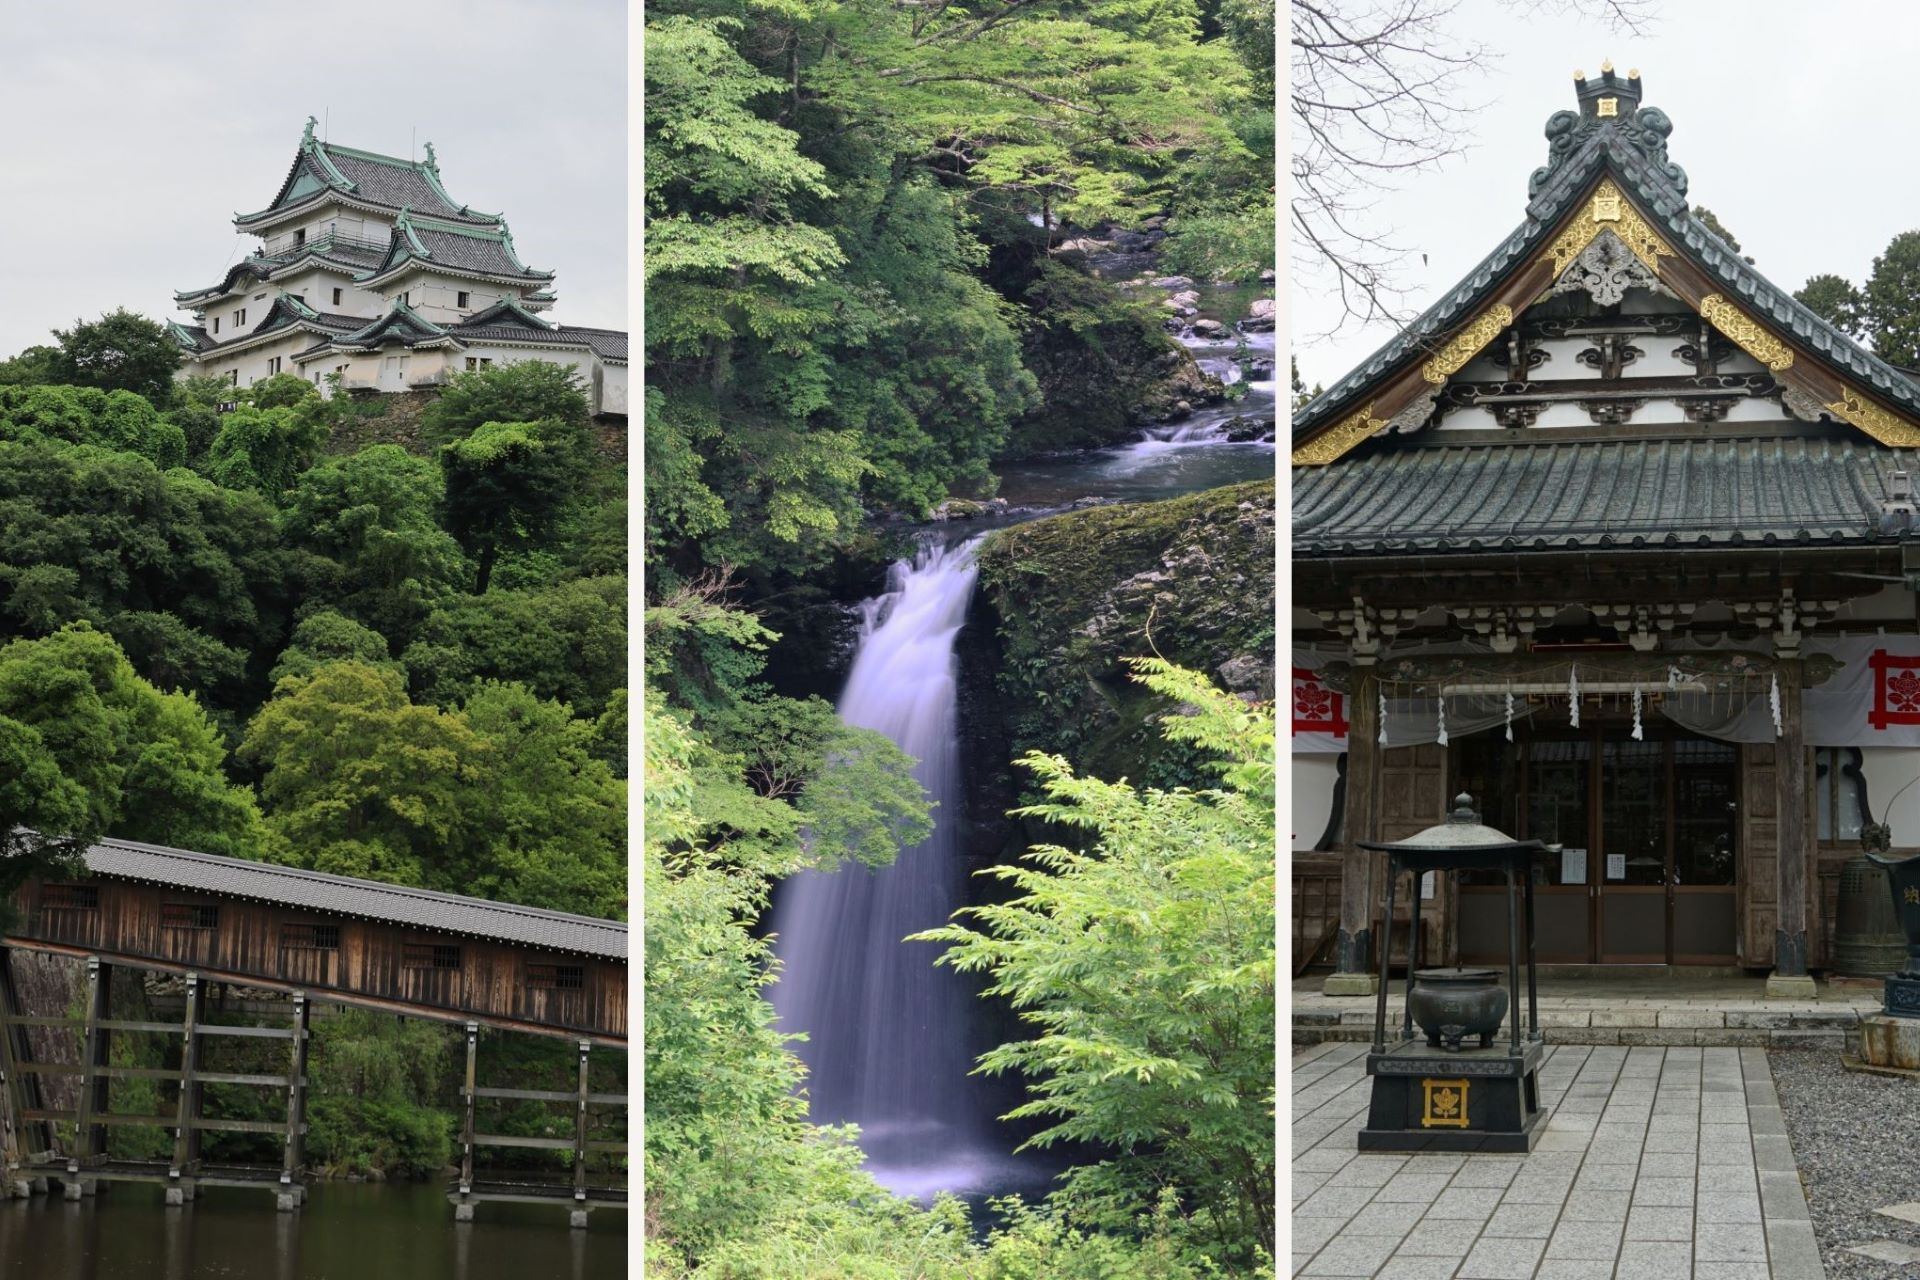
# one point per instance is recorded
(890, 1038)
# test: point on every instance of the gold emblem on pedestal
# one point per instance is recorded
(1444, 1104)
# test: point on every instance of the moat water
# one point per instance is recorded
(346, 1231)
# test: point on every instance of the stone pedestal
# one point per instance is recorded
(1349, 984)
(1890, 1042)
(286, 1201)
(577, 1219)
(1781, 986)
(1485, 1100)
(463, 1213)
(73, 1191)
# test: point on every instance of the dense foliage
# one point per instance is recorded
(218, 633)
(1170, 1069)
(850, 212)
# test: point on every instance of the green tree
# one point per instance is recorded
(501, 798)
(372, 519)
(117, 420)
(1892, 306)
(189, 576)
(88, 748)
(266, 449)
(1836, 301)
(1146, 967)
(35, 366)
(330, 636)
(567, 641)
(120, 351)
(525, 391)
(505, 485)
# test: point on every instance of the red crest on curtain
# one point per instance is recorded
(1318, 709)
(1896, 689)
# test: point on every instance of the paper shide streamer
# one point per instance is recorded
(1637, 735)
(1573, 696)
(1509, 715)
(1442, 739)
(1773, 701)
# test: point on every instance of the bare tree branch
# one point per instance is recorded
(1381, 92)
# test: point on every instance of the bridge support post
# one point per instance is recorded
(186, 1137)
(578, 1217)
(292, 1190)
(463, 1209)
(90, 1139)
(13, 1090)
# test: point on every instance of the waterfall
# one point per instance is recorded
(890, 1043)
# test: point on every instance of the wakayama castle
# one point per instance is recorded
(368, 269)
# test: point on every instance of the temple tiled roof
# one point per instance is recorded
(1631, 148)
(367, 176)
(1819, 486)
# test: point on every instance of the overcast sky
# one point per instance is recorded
(1794, 123)
(131, 133)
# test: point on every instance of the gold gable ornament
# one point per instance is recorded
(1746, 331)
(1467, 343)
(1889, 429)
(1335, 441)
(1607, 210)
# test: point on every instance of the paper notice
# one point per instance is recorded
(1616, 866)
(1573, 866)
(1428, 883)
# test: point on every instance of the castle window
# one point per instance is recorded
(216, 324)
(233, 376)
(300, 237)
(461, 300)
(273, 365)
(336, 297)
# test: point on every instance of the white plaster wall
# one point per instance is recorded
(613, 389)
(254, 363)
(1313, 779)
(437, 297)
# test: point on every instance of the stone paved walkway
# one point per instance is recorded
(1658, 1163)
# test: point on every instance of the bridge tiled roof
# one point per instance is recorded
(364, 899)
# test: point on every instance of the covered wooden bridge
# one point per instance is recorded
(219, 922)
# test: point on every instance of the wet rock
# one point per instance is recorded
(1258, 370)
(1075, 595)
(1173, 282)
(959, 509)
(1259, 317)
(1082, 245)
(1208, 328)
(1266, 277)
(1246, 429)
(1247, 674)
(1186, 297)
(1156, 222)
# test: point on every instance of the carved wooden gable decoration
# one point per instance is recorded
(1610, 269)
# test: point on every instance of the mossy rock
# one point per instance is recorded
(1191, 579)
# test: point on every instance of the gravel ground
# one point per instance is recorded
(1856, 1138)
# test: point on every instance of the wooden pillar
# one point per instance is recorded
(1789, 977)
(90, 1139)
(186, 1145)
(294, 1157)
(463, 1210)
(1359, 870)
(14, 1152)
(579, 1215)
